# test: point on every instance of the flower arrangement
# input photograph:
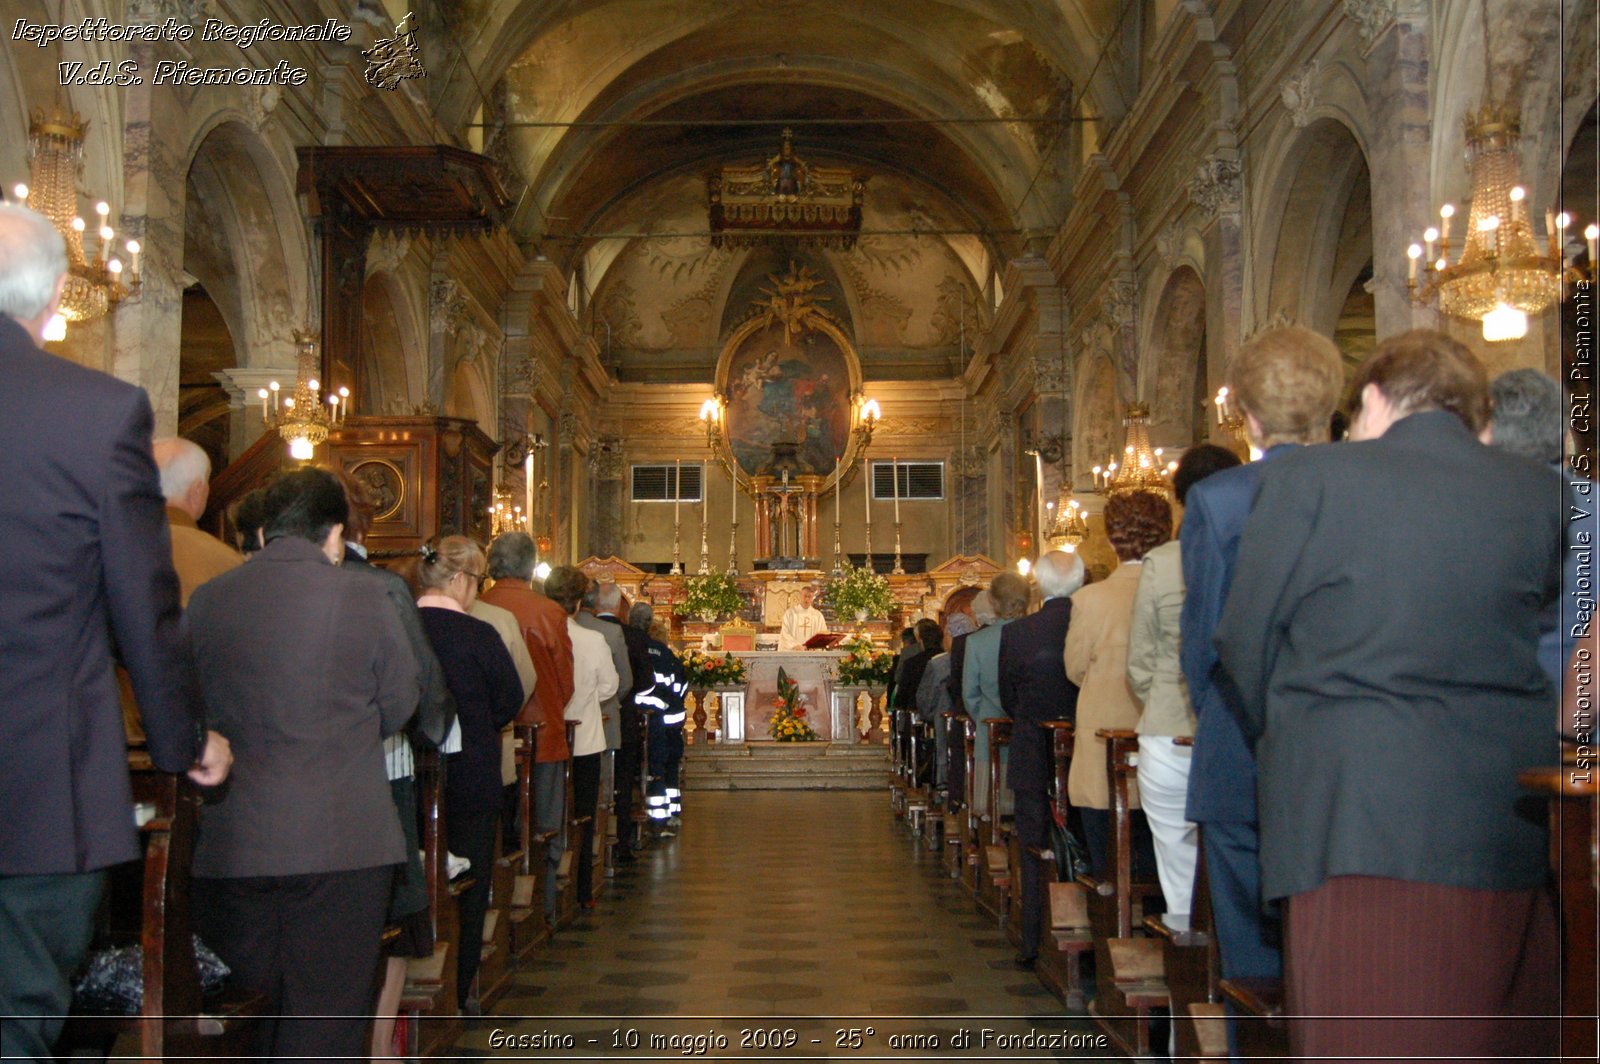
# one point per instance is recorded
(708, 670)
(712, 596)
(789, 722)
(866, 666)
(859, 591)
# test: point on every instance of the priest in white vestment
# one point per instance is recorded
(801, 621)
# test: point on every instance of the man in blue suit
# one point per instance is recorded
(89, 567)
(1287, 383)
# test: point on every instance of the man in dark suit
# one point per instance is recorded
(1382, 630)
(1033, 689)
(89, 566)
(307, 669)
(1286, 382)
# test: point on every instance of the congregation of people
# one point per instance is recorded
(1337, 659)
(297, 684)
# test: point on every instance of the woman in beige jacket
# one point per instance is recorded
(1097, 661)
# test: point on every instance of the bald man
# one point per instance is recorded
(186, 484)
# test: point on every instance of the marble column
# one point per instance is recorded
(245, 422)
(1397, 89)
(1216, 191)
(148, 326)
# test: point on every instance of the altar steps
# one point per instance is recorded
(769, 766)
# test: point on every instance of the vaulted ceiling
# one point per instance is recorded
(598, 99)
(964, 116)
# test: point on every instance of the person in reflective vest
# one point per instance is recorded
(663, 700)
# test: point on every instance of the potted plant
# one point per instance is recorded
(712, 596)
(859, 593)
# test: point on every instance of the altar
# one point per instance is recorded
(815, 671)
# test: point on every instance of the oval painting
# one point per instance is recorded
(788, 390)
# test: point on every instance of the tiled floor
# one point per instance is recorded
(808, 911)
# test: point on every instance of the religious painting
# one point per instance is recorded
(788, 390)
(787, 376)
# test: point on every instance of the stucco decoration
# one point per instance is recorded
(1371, 17)
(1298, 93)
(1215, 186)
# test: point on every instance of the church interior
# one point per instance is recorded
(703, 294)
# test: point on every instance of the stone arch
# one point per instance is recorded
(1174, 375)
(392, 344)
(245, 240)
(469, 395)
(1316, 221)
(1097, 416)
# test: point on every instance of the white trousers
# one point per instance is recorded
(1163, 792)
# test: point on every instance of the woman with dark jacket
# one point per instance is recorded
(488, 695)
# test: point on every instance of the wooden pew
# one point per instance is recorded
(1065, 936)
(972, 834)
(428, 1002)
(953, 819)
(1193, 969)
(994, 873)
(148, 904)
(1574, 845)
(567, 898)
(1129, 966)
(525, 914)
(899, 760)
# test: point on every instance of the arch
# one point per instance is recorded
(468, 395)
(1316, 226)
(245, 240)
(391, 344)
(1097, 416)
(1174, 370)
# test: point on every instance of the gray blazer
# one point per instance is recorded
(618, 645)
(1381, 630)
(305, 669)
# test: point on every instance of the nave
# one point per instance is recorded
(810, 910)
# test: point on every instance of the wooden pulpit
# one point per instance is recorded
(427, 475)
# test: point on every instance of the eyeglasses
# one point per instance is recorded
(481, 578)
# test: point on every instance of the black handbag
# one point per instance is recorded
(1072, 856)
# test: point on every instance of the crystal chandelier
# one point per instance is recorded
(505, 516)
(1067, 526)
(94, 281)
(1502, 275)
(1141, 468)
(302, 418)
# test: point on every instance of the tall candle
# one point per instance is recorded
(894, 471)
(838, 487)
(1038, 480)
(677, 490)
(702, 499)
(733, 493)
(527, 485)
(866, 489)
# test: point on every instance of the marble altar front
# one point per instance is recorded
(815, 671)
